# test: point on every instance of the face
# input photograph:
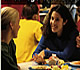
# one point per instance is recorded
(56, 23)
(15, 28)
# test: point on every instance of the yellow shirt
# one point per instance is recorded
(27, 40)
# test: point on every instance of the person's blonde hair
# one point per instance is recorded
(8, 15)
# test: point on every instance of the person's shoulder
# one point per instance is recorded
(37, 23)
(23, 20)
(74, 32)
(4, 46)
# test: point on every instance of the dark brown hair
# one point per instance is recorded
(65, 14)
(29, 10)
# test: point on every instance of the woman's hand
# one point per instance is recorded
(78, 41)
(42, 54)
(39, 58)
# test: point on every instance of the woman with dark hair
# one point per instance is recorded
(59, 35)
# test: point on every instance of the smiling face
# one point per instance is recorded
(56, 23)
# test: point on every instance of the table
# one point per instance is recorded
(73, 67)
(26, 65)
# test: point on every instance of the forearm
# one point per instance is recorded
(62, 55)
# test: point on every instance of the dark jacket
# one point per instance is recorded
(64, 48)
(7, 61)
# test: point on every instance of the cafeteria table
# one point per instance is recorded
(26, 65)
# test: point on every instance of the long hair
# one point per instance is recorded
(8, 15)
(67, 28)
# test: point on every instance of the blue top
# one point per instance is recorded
(64, 48)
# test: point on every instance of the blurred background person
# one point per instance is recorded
(78, 15)
(9, 30)
(59, 35)
(78, 22)
(29, 34)
(73, 10)
(35, 12)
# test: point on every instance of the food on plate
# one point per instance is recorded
(76, 62)
(60, 62)
(56, 67)
(62, 67)
(51, 62)
(54, 60)
(52, 67)
(41, 67)
(65, 67)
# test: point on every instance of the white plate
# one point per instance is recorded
(75, 63)
(39, 67)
